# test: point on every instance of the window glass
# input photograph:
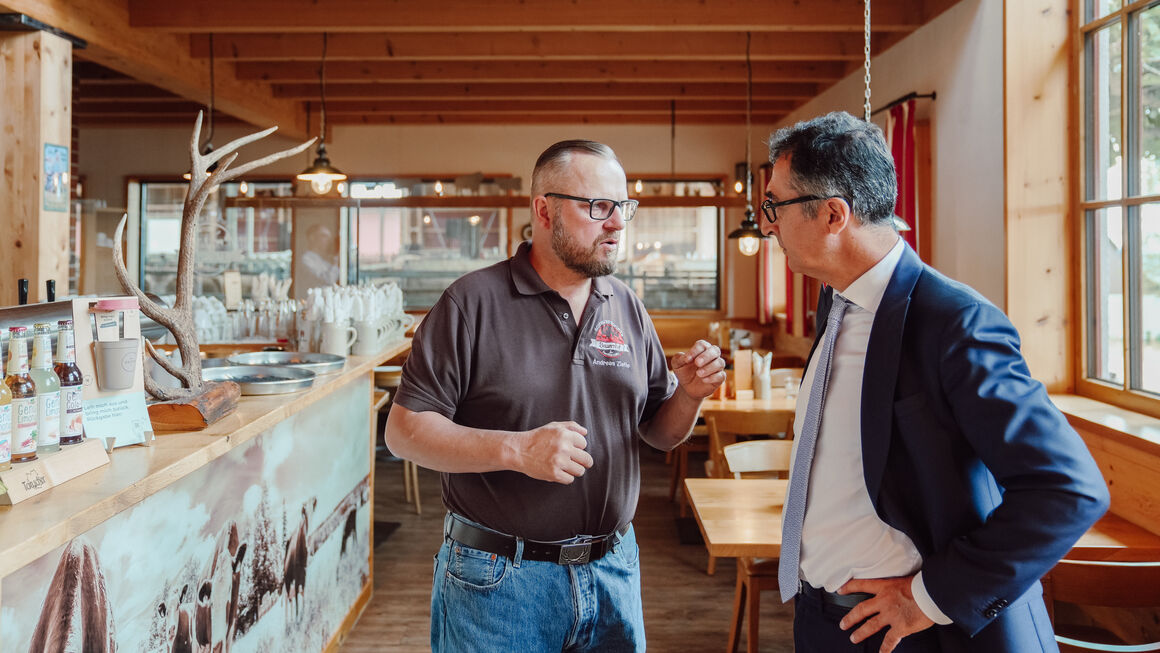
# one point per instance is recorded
(249, 240)
(1148, 98)
(1105, 170)
(1106, 296)
(669, 256)
(1101, 8)
(1149, 301)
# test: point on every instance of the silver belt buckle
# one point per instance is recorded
(575, 554)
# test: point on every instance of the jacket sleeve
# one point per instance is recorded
(1046, 490)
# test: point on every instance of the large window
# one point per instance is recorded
(1120, 201)
(249, 240)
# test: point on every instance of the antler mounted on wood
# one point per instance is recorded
(179, 318)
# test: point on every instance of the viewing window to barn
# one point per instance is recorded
(1120, 203)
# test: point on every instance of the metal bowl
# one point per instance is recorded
(315, 362)
(262, 380)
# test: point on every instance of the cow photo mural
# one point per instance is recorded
(266, 549)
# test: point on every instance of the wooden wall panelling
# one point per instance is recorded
(1039, 246)
(37, 89)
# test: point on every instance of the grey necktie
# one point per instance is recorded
(795, 500)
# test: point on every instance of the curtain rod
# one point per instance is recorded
(909, 96)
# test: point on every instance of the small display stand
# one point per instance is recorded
(29, 479)
(109, 353)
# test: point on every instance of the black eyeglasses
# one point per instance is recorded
(601, 208)
(769, 207)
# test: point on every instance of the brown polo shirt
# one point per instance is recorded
(500, 350)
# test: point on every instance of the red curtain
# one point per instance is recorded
(900, 132)
(765, 255)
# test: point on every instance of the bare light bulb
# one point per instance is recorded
(321, 185)
(749, 245)
(639, 186)
(738, 186)
(243, 188)
(438, 187)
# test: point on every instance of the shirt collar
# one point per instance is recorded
(528, 282)
(867, 290)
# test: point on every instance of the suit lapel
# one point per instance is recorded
(883, 356)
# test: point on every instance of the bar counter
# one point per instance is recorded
(210, 500)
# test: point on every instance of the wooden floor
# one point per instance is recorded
(684, 609)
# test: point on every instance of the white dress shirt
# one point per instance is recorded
(842, 536)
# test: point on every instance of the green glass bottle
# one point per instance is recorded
(47, 390)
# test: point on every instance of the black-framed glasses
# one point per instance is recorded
(769, 207)
(601, 208)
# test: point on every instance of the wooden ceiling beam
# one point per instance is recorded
(120, 92)
(522, 105)
(222, 16)
(160, 59)
(512, 71)
(541, 91)
(552, 118)
(558, 46)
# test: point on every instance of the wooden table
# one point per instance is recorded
(777, 401)
(742, 518)
(738, 518)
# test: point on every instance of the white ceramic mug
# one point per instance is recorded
(337, 338)
(370, 337)
(396, 327)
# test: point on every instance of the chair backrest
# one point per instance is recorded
(725, 425)
(1104, 584)
(765, 457)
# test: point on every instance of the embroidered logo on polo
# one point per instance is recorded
(609, 340)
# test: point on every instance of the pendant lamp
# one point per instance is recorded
(748, 235)
(321, 174)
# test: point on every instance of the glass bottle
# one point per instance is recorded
(23, 396)
(72, 409)
(47, 390)
(5, 423)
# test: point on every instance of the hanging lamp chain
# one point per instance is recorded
(322, 93)
(748, 124)
(209, 133)
(866, 61)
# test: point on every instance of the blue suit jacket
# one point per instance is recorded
(963, 451)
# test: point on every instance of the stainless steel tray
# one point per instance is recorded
(260, 379)
(315, 362)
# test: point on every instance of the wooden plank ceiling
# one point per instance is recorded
(466, 61)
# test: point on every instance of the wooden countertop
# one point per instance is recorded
(34, 527)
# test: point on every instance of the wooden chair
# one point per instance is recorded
(1102, 588)
(745, 459)
(698, 441)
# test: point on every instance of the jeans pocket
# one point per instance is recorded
(628, 550)
(473, 568)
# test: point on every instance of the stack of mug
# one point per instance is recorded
(361, 320)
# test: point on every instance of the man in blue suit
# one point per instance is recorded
(934, 482)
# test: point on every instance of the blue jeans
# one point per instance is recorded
(482, 602)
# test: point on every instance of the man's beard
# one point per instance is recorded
(587, 262)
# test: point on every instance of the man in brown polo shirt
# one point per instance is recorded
(530, 385)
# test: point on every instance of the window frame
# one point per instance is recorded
(1085, 347)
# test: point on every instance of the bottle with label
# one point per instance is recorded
(5, 423)
(47, 390)
(72, 409)
(23, 396)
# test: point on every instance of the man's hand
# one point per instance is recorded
(700, 370)
(892, 607)
(554, 452)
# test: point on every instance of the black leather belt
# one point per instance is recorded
(574, 553)
(846, 601)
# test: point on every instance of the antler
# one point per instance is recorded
(179, 318)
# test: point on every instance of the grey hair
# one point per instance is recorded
(840, 155)
(555, 159)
